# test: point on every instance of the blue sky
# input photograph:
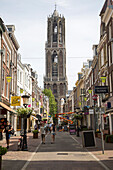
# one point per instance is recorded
(30, 20)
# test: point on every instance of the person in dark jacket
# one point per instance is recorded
(8, 130)
(53, 133)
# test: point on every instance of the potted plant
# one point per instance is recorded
(35, 134)
(3, 151)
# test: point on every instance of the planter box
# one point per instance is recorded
(35, 135)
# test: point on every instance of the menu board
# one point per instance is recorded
(3, 123)
(88, 138)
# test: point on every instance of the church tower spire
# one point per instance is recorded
(55, 5)
(55, 50)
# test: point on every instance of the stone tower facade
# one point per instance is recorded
(55, 50)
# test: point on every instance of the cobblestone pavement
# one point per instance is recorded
(66, 154)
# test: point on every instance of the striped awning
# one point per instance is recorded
(4, 106)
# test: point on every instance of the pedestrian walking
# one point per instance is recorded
(53, 133)
(8, 130)
(43, 132)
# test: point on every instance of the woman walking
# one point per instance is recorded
(43, 133)
(53, 130)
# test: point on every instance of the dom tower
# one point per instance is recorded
(56, 78)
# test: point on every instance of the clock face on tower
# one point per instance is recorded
(55, 50)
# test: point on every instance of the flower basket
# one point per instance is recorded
(24, 112)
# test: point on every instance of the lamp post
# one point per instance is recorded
(77, 111)
(25, 103)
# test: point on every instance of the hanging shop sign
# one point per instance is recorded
(8, 79)
(33, 99)
(101, 89)
(91, 111)
(103, 79)
(15, 100)
(21, 90)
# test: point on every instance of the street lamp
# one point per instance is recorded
(77, 111)
(25, 103)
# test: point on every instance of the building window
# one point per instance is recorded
(3, 81)
(7, 90)
(20, 77)
(7, 59)
(13, 81)
(55, 31)
(18, 74)
(54, 89)
(110, 84)
(60, 32)
(54, 64)
(18, 90)
(112, 52)
(61, 89)
(3, 54)
(110, 31)
(102, 57)
(109, 56)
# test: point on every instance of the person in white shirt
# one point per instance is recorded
(43, 132)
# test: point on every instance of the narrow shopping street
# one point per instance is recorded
(66, 154)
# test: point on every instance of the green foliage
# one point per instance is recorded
(35, 131)
(24, 111)
(52, 103)
(3, 150)
(77, 117)
(109, 139)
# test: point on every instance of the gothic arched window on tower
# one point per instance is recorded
(54, 89)
(60, 64)
(49, 33)
(55, 30)
(60, 31)
(61, 89)
(54, 64)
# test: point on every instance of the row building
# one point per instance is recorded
(94, 73)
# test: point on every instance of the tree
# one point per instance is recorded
(52, 102)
